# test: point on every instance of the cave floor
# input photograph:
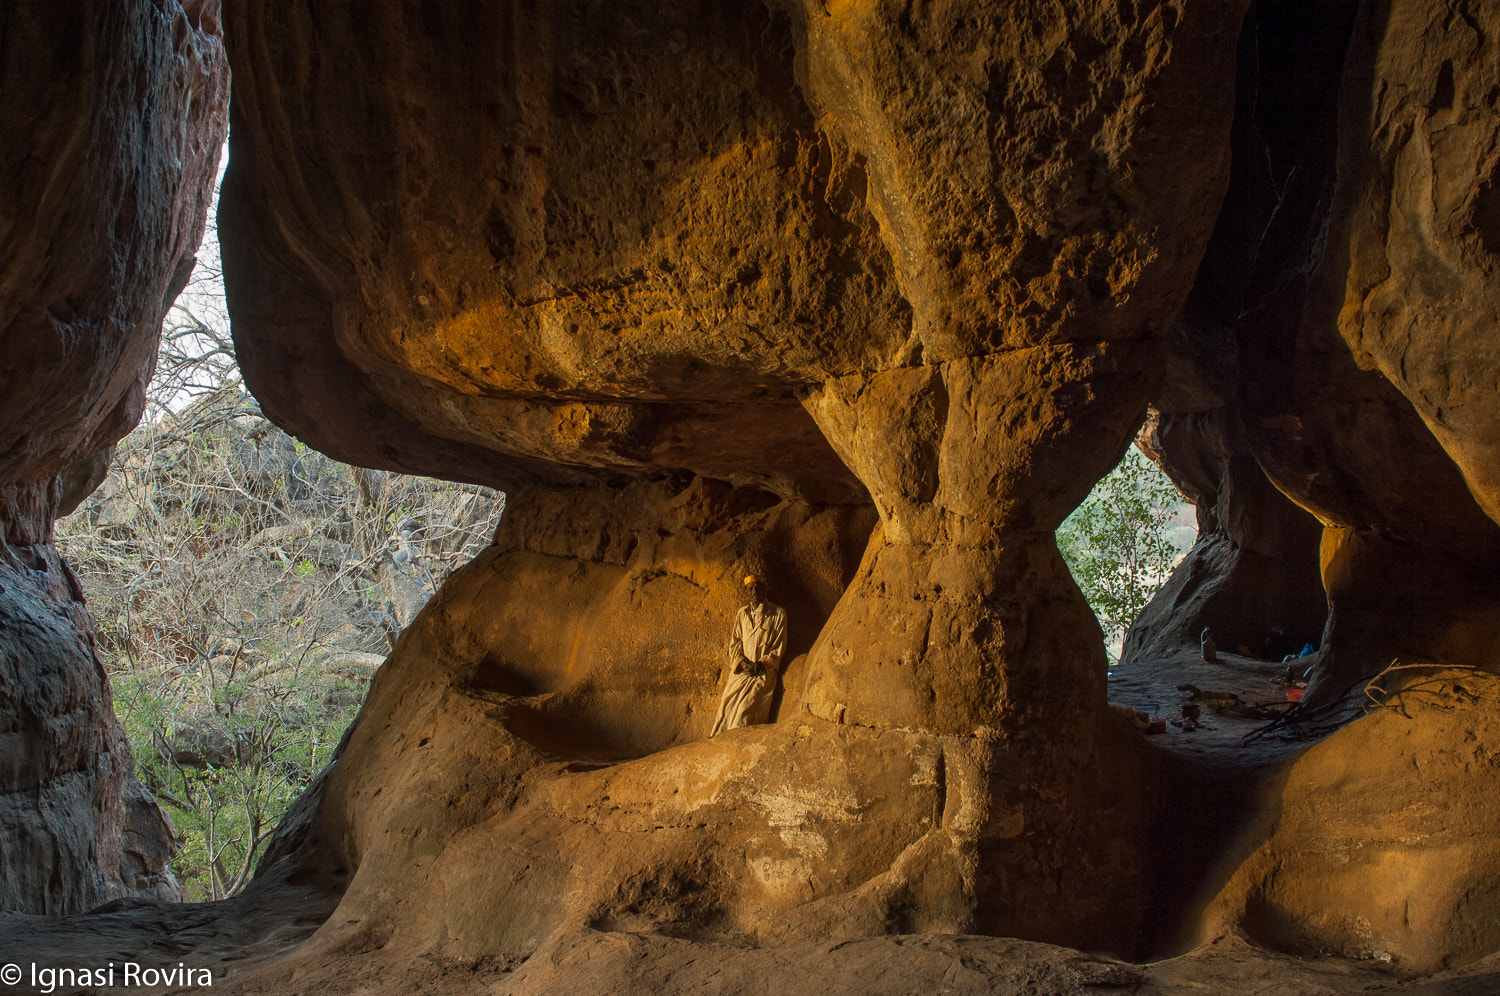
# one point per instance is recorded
(263, 941)
(585, 962)
(1238, 697)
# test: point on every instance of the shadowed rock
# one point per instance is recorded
(109, 139)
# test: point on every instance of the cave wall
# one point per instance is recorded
(1251, 576)
(1334, 315)
(1412, 228)
(114, 118)
(110, 132)
(889, 268)
(1329, 349)
(929, 268)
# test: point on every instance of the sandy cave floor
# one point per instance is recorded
(584, 962)
(1226, 736)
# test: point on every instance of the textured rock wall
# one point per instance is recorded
(484, 802)
(1253, 571)
(1330, 346)
(109, 138)
(627, 248)
(857, 295)
(826, 255)
(1419, 206)
(1413, 232)
(77, 828)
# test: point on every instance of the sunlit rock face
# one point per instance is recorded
(856, 297)
(624, 239)
(701, 283)
(110, 132)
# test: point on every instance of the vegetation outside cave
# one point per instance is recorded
(1123, 541)
(244, 589)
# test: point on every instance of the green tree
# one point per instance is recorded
(1119, 543)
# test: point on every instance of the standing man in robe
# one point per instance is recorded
(755, 649)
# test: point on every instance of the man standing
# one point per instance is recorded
(755, 649)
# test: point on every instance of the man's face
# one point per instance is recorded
(755, 593)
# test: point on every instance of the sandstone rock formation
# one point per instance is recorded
(113, 118)
(1253, 571)
(1379, 841)
(864, 297)
(1288, 361)
(814, 254)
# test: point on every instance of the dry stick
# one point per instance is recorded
(1301, 713)
(1396, 665)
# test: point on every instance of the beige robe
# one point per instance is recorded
(759, 634)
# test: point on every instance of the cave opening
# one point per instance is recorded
(1185, 563)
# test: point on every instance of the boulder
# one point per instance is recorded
(1380, 840)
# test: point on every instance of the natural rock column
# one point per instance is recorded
(972, 464)
(113, 119)
(963, 620)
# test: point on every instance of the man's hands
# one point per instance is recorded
(753, 668)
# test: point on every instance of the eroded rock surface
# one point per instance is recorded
(1379, 845)
(109, 138)
(631, 246)
(1287, 363)
(824, 255)
(864, 297)
(1252, 575)
(78, 829)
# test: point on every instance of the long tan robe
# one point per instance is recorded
(760, 634)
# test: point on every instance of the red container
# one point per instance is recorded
(1294, 694)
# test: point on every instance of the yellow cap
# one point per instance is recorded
(753, 578)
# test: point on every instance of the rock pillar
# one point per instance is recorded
(963, 620)
(109, 142)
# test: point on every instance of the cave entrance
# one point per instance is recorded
(245, 589)
(1159, 569)
(1196, 630)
